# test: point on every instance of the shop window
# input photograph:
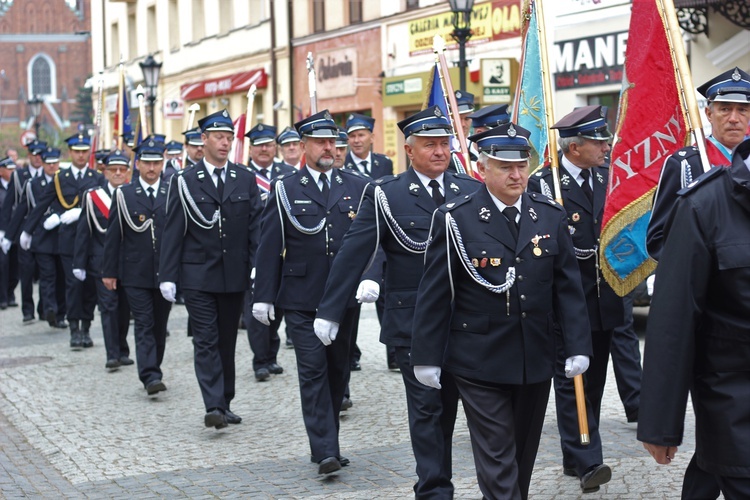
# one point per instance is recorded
(41, 73)
(174, 25)
(355, 11)
(199, 27)
(115, 44)
(132, 36)
(319, 15)
(226, 15)
(412, 4)
(151, 40)
(611, 100)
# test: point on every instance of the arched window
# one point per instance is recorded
(42, 78)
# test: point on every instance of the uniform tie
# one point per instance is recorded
(586, 186)
(324, 189)
(264, 172)
(151, 195)
(219, 181)
(79, 176)
(364, 166)
(436, 194)
(510, 213)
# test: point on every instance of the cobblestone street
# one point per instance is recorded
(70, 429)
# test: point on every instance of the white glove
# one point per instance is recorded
(70, 216)
(428, 375)
(650, 284)
(264, 312)
(168, 291)
(25, 240)
(576, 365)
(368, 291)
(51, 222)
(2, 235)
(325, 330)
(252, 274)
(5, 244)
(80, 274)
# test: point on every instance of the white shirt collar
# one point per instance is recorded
(426, 181)
(48, 177)
(111, 188)
(35, 171)
(4, 183)
(316, 175)
(258, 167)
(75, 171)
(210, 167)
(145, 185)
(359, 160)
(574, 170)
(502, 206)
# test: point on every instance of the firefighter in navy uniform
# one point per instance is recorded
(63, 198)
(131, 260)
(23, 259)
(584, 140)
(209, 246)
(289, 147)
(405, 203)
(193, 147)
(171, 160)
(8, 267)
(360, 128)
(301, 235)
(88, 260)
(697, 337)
(42, 243)
(264, 339)
(500, 269)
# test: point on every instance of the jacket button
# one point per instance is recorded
(331, 254)
(464, 325)
(523, 315)
(518, 259)
(330, 240)
(519, 277)
(303, 210)
(328, 212)
(523, 297)
(399, 302)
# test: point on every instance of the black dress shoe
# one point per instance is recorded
(76, 342)
(595, 476)
(342, 460)
(393, 366)
(289, 344)
(112, 363)
(60, 323)
(3, 305)
(232, 418)
(86, 341)
(632, 416)
(328, 465)
(355, 366)
(12, 303)
(126, 361)
(155, 386)
(570, 471)
(275, 369)
(215, 418)
(346, 404)
(51, 318)
(262, 374)
(28, 318)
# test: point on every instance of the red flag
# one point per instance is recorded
(651, 125)
(238, 145)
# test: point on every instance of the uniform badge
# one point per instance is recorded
(571, 230)
(454, 188)
(379, 181)
(345, 198)
(260, 127)
(681, 153)
(575, 217)
(599, 178)
(450, 205)
(225, 114)
(539, 174)
(414, 188)
(232, 174)
(438, 113)
(484, 214)
(537, 251)
(475, 262)
(512, 131)
(304, 180)
(141, 218)
(483, 262)
(352, 214)
(338, 179)
(535, 241)
(533, 214)
(736, 77)
(495, 261)
(565, 180)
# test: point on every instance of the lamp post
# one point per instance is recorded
(35, 103)
(461, 33)
(151, 70)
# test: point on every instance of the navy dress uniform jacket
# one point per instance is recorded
(292, 266)
(475, 335)
(216, 260)
(70, 188)
(130, 256)
(42, 240)
(698, 336)
(412, 207)
(18, 180)
(605, 307)
(89, 244)
(381, 165)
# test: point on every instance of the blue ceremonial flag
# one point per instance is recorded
(529, 109)
(436, 97)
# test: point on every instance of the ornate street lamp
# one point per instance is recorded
(461, 33)
(151, 70)
(35, 104)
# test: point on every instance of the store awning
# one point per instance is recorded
(230, 84)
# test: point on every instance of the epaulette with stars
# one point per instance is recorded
(711, 174)
(457, 202)
(544, 200)
(386, 179)
(542, 172)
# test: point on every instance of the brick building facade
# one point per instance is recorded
(45, 51)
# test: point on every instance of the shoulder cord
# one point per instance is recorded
(381, 203)
(19, 187)
(91, 215)
(30, 196)
(187, 201)
(687, 174)
(587, 254)
(123, 214)
(60, 197)
(454, 235)
(546, 191)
